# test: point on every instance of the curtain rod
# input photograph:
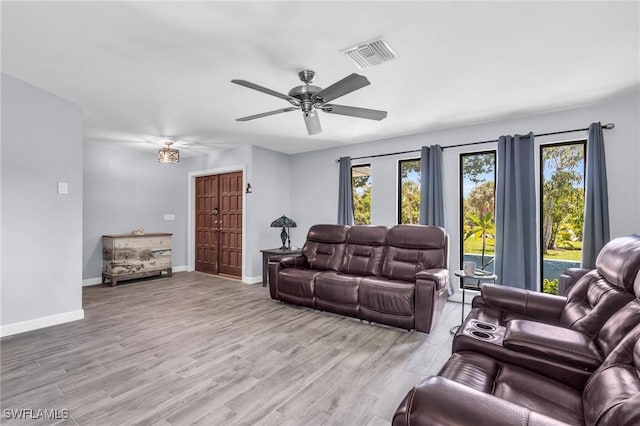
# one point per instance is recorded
(607, 126)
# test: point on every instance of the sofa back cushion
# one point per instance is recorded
(324, 247)
(414, 248)
(364, 250)
(618, 326)
(612, 394)
(619, 261)
(602, 292)
(591, 302)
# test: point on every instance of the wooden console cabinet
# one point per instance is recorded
(135, 256)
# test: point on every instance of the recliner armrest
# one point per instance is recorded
(541, 306)
(439, 401)
(554, 343)
(293, 261)
(568, 278)
(439, 276)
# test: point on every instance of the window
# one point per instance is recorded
(562, 167)
(477, 208)
(409, 191)
(361, 182)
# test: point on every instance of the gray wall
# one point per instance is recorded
(41, 230)
(269, 201)
(125, 189)
(314, 192)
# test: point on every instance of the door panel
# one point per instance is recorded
(207, 198)
(219, 224)
(231, 225)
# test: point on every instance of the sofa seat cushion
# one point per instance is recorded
(515, 384)
(297, 282)
(387, 296)
(336, 287)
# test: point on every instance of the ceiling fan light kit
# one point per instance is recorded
(310, 99)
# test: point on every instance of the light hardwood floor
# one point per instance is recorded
(198, 349)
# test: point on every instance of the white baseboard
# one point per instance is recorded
(252, 280)
(42, 322)
(98, 280)
(91, 281)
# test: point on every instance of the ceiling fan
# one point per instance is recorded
(310, 99)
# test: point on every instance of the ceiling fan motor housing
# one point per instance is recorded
(305, 95)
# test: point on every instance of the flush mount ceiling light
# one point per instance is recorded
(168, 154)
(370, 53)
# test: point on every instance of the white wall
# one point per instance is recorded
(42, 145)
(314, 187)
(125, 189)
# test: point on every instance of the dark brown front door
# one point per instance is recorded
(231, 224)
(219, 224)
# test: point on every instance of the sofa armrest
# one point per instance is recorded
(541, 306)
(431, 294)
(568, 278)
(293, 261)
(274, 268)
(439, 276)
(439, 401)
(554, 343)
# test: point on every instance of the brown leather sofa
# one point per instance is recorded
(517, 396)
(397, 276)
(543, 369)
(594, 297)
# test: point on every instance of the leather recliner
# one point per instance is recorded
(596, 295)
(513, 395)
(565, 355)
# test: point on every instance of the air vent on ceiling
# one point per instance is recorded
(370, 53)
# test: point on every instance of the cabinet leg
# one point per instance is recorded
(169, 272)
(114, 281)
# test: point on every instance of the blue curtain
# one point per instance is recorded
(431, 188)
(515, 259)
(595, 233)
(345, 193)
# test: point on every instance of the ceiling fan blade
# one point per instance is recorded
(348, 84)
(370, 114)
(259, 88)
(266, 114)
(312, 121)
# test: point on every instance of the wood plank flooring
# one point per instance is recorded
(203, 350)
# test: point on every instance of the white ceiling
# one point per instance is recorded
(143, 70)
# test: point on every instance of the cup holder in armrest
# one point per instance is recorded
(483, 326)
(482, 335)
(484, 331)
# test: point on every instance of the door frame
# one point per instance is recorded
(191, 225)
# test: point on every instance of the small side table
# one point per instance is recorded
(275, 253)
(475, 286)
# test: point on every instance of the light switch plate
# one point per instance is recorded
(169, 216)
(63, 187)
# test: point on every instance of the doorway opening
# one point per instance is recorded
(219, 224)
